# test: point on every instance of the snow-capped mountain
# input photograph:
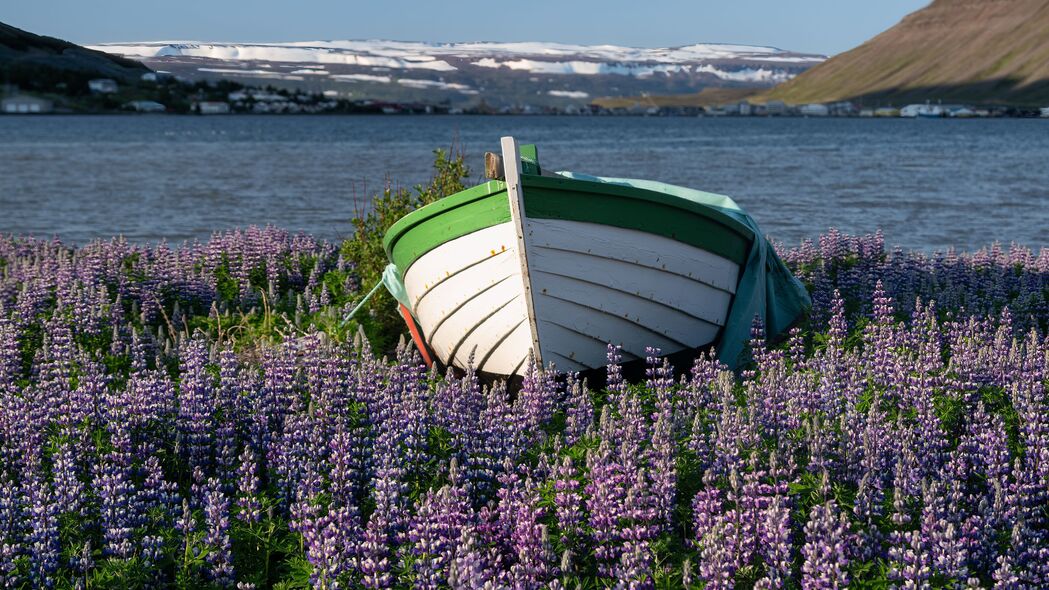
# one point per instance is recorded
(504, 73)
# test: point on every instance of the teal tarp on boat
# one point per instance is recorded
(766, 289)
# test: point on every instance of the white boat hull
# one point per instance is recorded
(591, 285)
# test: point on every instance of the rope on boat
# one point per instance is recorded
(354, 311)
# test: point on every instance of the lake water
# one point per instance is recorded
(928, 184)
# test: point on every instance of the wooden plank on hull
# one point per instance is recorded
(454, 330)
(491, 331)
(459, 256)
(604, 327)
(635, 247)
(581, 348)
(563, 363)
(507, 354)
(448, 296)
(692, 297)
(658, 317)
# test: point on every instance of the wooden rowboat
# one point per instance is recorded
(560, 265)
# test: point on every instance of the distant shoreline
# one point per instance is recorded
(1012, 115)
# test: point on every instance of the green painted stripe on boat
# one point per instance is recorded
(548, 197)
(452, 217)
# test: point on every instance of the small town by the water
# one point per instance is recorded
(211, 100)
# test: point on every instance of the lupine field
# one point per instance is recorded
(198, 416)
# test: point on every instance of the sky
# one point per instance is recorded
(813, 26)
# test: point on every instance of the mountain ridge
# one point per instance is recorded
(973, 51)
(503, 73)
(24, 55)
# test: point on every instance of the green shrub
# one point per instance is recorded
(381, 321)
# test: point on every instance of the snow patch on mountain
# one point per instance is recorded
(415, 83)
(568, 93)
(361, 78)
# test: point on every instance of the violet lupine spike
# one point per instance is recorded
(776, 543)
(716, 536)
(196, 404)
(42, 540)
(118, 511)
(66, 477)
(12, 517)
(437, 525)
(605, 496)
(376, 554)
(217, 526)
(663, 468)
(947, 551)
(826, 549)
(329, 540)
(249, 506)
(614, 379)
(530, 543)
(579, 419)
(471, 567)
(568, 501)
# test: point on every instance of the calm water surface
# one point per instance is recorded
(927, 184)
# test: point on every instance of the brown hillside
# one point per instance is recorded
(979, 51)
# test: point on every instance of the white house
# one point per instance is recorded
(814, 110)
(212, 107)
(912, 111)
(776, 108)
(24, 104)
(146, 106)
(158, 76)
(1045, 113)
(102, 85)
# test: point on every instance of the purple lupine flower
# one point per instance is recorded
(579, 419)
(68, 487)
(42, 543)
(826, 549)
(249, 506)
(614, 380)
(635, 566)
(776, 544)
(663, 467)
(83, 562)
(11, 519)
(436, 527)
(568, 501)
(196, 404)
(716, 536)
(116, 491)
(329, 540)
(606, 493)
(472, 567)
(530, 543)
(216, 517)
(375, 554)
(909, 560)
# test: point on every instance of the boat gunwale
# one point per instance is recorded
(442, 205)
(420, 216)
